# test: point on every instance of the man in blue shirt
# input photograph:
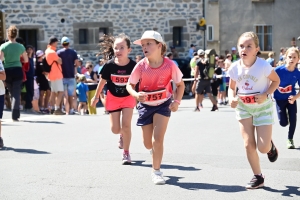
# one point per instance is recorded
(69, 62)
(30, 79)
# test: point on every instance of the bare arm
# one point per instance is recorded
(2, 76)
(179, 91)
(275, 82)
(59, 61)
(131, 89)
(25, 57)
(1, 55)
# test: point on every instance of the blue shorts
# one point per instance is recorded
(147, 112)
(69, 85)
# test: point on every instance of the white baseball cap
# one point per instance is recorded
(200, 52)
(150, 35)
(39, 53)
(233, 49)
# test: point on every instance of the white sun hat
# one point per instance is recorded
(150, 35)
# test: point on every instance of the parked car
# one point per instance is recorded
(184, 66)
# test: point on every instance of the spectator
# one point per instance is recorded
(192, 50)
(282, 52)
(91, 79)
(174, 52)
(55, 75)
(10, 53)
(82, 90)
(170, 56)
(228, 61)
(271, 60)
(138, 58)
(2, 93)
(234, 54)
(69, 62)
(29, 83)
(41, 79)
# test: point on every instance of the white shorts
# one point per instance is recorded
(262, 113)
(57, 85)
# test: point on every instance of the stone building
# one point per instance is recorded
(274, 21)
(83, 21)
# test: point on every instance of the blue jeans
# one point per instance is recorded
(69, 85)
(287, 113)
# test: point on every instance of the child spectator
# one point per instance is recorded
(82, 91)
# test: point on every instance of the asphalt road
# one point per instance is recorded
(76, 157)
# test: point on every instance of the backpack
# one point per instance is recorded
(46, 66)
(208, 71)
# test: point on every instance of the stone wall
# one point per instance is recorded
(132, 17)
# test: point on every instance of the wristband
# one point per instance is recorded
(177, 101)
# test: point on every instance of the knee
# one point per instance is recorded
(115, 129)
(264, 148)
(148, 144)
(158, 141)
(250, 147)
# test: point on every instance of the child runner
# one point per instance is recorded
(82, 90)
(286, 96)
(255, 80)
(154, 74)
(118, 101)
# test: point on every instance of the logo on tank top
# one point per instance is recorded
(247, 86)
(121, 71)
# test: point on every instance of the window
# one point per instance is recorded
(177, 36)
(264, 33)
(83, 36)
(210, 32)
(29, 36)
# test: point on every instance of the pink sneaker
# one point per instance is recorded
(126, 159)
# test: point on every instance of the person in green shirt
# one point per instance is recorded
(11, 53)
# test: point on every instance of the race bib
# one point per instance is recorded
(156, 98)
(248, 98)
(120, 80)
(284, 90)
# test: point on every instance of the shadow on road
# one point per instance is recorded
(42, 122)
(287, 193)
(174, 180)
(30, 151)
(164, 166)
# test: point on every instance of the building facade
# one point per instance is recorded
(274, 22)
(84, 21)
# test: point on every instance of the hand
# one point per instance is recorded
(173, 106)
(291, 99)
(260, 98)
(233, 102)
(94, 102)
(141, 96)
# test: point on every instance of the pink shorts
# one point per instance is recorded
(115, 104)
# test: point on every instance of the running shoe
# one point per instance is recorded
(1, 143)
(126, 159)
(197, 109)
(290, 144)
(121, 142)
(200, 106)
(273, 153)
(214, 108)
(157, 178)
(58, 112)
(256, 182)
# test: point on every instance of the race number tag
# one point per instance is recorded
(248, 98)
(284, 90)
(156, 97)
(120, 80)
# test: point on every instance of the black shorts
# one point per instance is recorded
(202, 85)
(147, 112)
(43, 84)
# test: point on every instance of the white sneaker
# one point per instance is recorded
(157, 178)
(126, 159)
